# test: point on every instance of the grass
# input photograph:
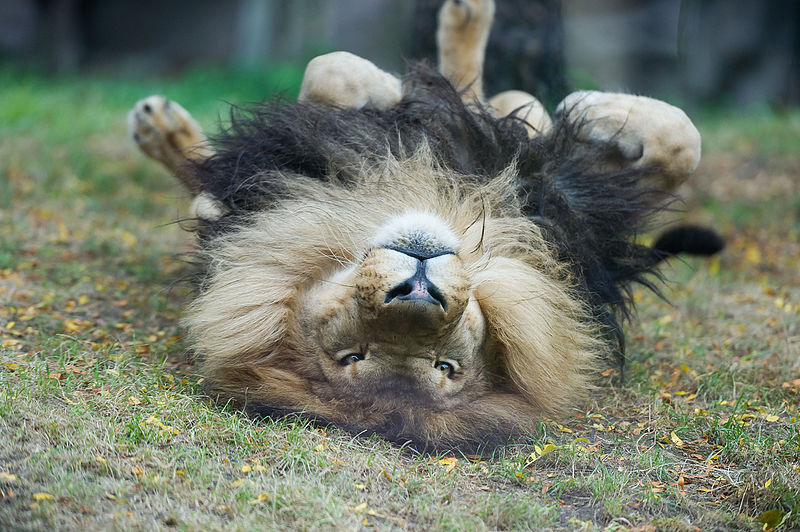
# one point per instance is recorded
(104, 425)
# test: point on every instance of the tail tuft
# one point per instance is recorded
(691, 239)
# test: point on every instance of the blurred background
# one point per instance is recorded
(691, 52)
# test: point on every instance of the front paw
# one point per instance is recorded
(166, 132)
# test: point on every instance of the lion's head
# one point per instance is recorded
(414, 302)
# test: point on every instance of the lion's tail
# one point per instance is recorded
(689, 239)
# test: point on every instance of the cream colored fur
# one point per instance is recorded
(346, 80)
(524, 106)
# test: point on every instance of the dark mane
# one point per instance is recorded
(591, 218)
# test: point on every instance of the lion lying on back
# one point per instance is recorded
(403, 258)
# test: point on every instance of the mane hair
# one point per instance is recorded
(307, 186)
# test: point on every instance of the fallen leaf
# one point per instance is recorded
(450, 462)
(8, 477)
(261, 498)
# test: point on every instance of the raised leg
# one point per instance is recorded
(166, 132)
(346, 80)
(461, 37)
(646, 132)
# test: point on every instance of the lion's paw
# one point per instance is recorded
(166, 132)
(646, 132)
(462, 36)
(346, 80)
(527, 108)
(463, 15)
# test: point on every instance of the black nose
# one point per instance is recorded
(417, 288)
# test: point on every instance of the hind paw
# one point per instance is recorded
(464, 15)
(462, 36)
(166, 132)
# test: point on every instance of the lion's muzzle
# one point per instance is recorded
(418, 289)
(412, 294)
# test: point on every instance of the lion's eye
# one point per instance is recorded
(350, 358)
(445, 367)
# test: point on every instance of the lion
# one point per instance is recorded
(408, 258)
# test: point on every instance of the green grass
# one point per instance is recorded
(103, 424)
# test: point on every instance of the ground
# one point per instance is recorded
(104, 425)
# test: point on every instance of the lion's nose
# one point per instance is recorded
(417, 288)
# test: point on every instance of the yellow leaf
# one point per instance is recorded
(771, 418)
(8, 477)
(752, 254)
(713, 268)
(675, 439)
(246, 469)
(360, 508)
(83, 299)
(133, 401)
(768, 483)
(128, 238)
(42, 496)
(549, 448)
(449, 462)
(12, 366)
(261, 498)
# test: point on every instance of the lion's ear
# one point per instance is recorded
(542, 336)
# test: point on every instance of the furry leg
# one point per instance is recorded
(646, 133)
(346, 80)
(521, 105)
(166, 132)
(461, 37)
